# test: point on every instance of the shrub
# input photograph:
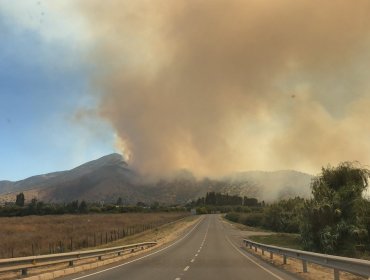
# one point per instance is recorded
(232, 216)
(252, 219)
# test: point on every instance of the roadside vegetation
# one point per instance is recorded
(287, 240)
(336, 220)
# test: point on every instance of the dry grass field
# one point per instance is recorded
(33, 235)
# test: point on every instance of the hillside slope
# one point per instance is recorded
(109, 177)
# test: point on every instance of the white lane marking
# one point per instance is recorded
(198, 251)
(186, 268)
(256, 263)
(196, 255)
(135, 260)
(192, 260)
(177, 278)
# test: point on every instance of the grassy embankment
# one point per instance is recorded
(287, 240)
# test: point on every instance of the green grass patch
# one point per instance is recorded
(287, 240)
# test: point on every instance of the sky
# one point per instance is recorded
(210, 86)
(44, 83)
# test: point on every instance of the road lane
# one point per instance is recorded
(210, 251)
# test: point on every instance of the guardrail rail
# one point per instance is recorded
(24, 263)
(357, 267)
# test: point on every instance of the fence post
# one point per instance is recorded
(271, 255)
(284, 259)
(24, 271)
(304, 264)
(336, 274)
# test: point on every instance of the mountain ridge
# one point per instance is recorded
(109, 177)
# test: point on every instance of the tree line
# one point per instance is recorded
(36, 207)
(219, 199)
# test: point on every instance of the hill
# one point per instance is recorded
(109, 177)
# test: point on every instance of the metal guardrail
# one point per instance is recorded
(24, 263)
(355, 266)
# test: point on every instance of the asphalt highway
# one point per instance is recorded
(212, 249)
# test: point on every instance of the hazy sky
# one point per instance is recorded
(44, 82)
(212, 86)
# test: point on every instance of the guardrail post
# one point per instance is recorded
(255, 248)
(70, 263)
(334, 263)
(99, 258)
(24, 271)
(304, 264)
(336, 274)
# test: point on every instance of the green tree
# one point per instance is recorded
(284, 216)
(333, 219)
(119, 201)
(19, 200)
(82, 208)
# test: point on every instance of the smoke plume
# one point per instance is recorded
(220, 86)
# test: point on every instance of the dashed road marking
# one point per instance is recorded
(143, 257)
(186, 268)
(192, 260)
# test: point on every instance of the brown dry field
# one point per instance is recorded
(24, 236)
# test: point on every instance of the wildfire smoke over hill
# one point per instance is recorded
(221, 86)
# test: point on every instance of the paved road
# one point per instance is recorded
(210, 250)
